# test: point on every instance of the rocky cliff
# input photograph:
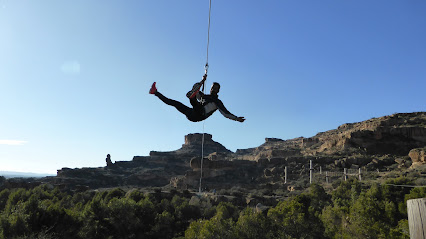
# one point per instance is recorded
(374, 144)
(396, 134)
(155, 170)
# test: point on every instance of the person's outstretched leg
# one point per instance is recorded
(179, 106)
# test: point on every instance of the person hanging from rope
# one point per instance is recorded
(203, 106)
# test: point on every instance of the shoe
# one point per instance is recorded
(192, 93)
(153, 89)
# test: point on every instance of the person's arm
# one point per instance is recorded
(204, 79)
(226, 113)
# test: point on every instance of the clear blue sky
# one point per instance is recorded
(75, 75)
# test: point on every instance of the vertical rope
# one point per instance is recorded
(206, 69)
(208, 36)
(202, 158)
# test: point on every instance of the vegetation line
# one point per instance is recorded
(407, 186)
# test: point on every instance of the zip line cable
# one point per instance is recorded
(206, 68)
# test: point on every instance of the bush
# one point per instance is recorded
(4, 196)
(350, 211)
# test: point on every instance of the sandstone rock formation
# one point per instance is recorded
(158, 169)
(395, 134)
(193, 145)
(374, 144)
(418, 156)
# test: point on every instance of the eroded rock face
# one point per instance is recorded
(373, 143)
(216, 165)
(196, 139)
(158, 169)
(418, 156)
(395, 134)
(194, 144)
(220, 173)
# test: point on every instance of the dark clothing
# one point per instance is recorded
(203, 106)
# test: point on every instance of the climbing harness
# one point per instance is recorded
(206, 68)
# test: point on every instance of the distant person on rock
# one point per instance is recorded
(203, 106)
(108, 160)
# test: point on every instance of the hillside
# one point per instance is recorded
(394, 143)
(11, 174)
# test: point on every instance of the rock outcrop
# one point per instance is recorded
(155, 170)
(395, 134)
(373, 144)
(193, 147)
(418, 156)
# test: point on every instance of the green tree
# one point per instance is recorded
(254, 225)
(194, 229)
(164, 227)
(374, 214)
(4, 196)
(221, 225)
(319, 199)
(401, 231)
(95, 219)
(367, 217)
(296, 218)
(335, 221)
(396, 194)
(146, 212)
(346, 193)
(135, 195)
(184, 213)
(115, 193)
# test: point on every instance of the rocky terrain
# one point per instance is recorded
(391, 143)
